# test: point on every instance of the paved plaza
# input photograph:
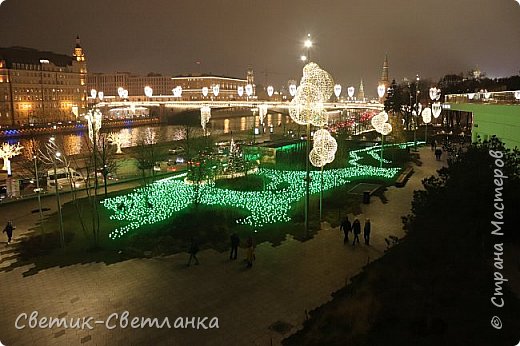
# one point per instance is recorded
(258, 306)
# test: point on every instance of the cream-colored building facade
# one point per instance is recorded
(38, 87)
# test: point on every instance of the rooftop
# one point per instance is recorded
(24, 55)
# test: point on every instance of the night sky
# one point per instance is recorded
(351, 37)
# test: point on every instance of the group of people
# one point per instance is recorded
(355, 228)
(235, 243)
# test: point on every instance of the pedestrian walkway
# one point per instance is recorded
(257, 306)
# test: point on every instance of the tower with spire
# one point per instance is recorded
(251, 78)
(79, 65)
(361, 91)
(384, 78)
(78, 51)
(384, 75)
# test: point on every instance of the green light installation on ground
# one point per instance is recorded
(161, 200)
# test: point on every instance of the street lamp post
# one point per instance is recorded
(308, 45)
(57, 156)
(416, 112)
(38, 190)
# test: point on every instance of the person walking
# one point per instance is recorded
(356, 228)
(434, 144)
(346, 227)
(250, 256)
(235, 241)
(438, 153)
(194, 248)
(9, 231)
(366, 231)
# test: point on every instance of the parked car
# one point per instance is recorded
(65, 178)
(3, 192)
(176, 151)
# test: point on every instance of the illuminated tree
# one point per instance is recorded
(8, 151)
(118, 139)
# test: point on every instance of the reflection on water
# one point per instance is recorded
(76, 143)
(72, 144)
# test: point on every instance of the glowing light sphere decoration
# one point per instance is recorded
(125, 94)
(270, 90)
(205, 115)
(93, 93)
(320, 135)
(205, 91)
(337, 90)
(94, 119)
(381, 90)
(177, 91)
(120, 91)
(379, 120)
(315, 88)
(216, 89)
(427, 115)
(292, 89)
(517, 94)
(8, 151)
(319, 78)
(436, 109)
(317, 159)
(471, 96)
(101, 95)
(249, 90)
(351, 91)
(325, 147)
(148, 91)
(240, 90)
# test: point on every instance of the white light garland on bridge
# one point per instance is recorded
(337, 90)
(292, 89)
(216, 90)
(177, 91)
(350, 91)
(249, 90)
(148, 91)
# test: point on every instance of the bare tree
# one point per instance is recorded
(106, 154)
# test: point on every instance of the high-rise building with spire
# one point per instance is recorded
(361, 92)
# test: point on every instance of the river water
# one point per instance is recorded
(76, 143)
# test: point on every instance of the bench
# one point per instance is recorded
(403, 177)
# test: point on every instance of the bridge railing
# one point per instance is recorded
(224, 104)
(485, 97)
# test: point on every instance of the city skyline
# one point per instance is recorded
(350, 39)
